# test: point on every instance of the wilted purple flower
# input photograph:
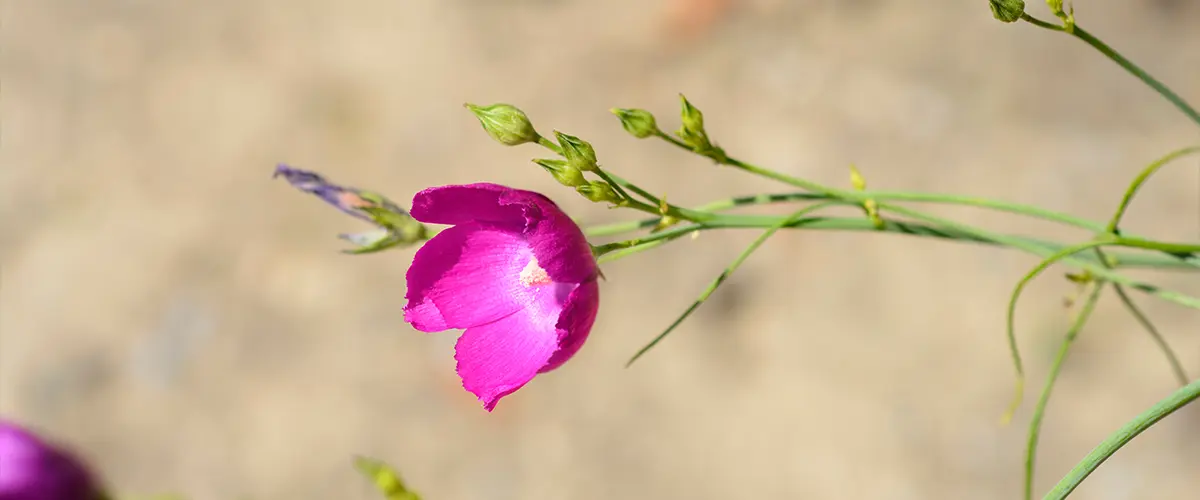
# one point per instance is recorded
(34, 469)
(515, 272)
(395, 225)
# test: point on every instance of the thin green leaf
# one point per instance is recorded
(1176, 366)
(1121, 437)
(712, 287)
(1142, 178)
(1100, 272)
(1039, 412)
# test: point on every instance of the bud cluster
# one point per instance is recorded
(510, 126)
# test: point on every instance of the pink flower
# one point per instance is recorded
(33, 468)
(515, 272)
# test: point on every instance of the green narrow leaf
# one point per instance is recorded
(1176, 367)
(1141, 179)
(1039, 412)
(712, 287)
(1014, 351)
(1106, 274)
(1121, 437)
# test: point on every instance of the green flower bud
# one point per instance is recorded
(599, 191)
(638, 122)
(1007, 11)
(578, 152)
(693, 119)
(857, 180)
(506, 124)
(563, 172)
(693, 134)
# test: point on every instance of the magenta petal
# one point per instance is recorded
(575, 323)
(515, 272)
(465, 276)
(496, 359)
(561, 248)
(460, 204)
(34, 468)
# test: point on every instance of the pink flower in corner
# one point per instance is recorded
(515, 272)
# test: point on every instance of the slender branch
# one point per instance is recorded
(1141, 179)
(1172, 359)
(857, 224)
(1039, 412)
(1121, 61)
(1121, 437)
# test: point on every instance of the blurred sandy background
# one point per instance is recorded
(188, 323)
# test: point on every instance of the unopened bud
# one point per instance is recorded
(599, 191)
(563, 172)
(577, 151)
(857, 180)
(692, 132)
(505, 123)
(1007, 11)
(638, 122)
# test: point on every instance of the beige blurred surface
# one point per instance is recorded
(189, 324)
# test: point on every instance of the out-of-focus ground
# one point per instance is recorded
(188, 323)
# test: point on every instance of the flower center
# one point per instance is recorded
(533, 274)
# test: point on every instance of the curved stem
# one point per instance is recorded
(1131, 306)
(1142, 178)
(1121, 437)
(1054, 257)
(1173, 360)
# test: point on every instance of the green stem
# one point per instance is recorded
(549, 144)
(616, 185)
(859, 197)
(1039, 412)
(1176, 366)
(1128, 65)
(669, 234)
(640, 247)
(1142, 178)
(949, 199)
(1003, 206)
(720, 221)
(633, 187)
(716, 283)
(1121, 437)
(1107, 274)
(1183, 250)
(1131, 306)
